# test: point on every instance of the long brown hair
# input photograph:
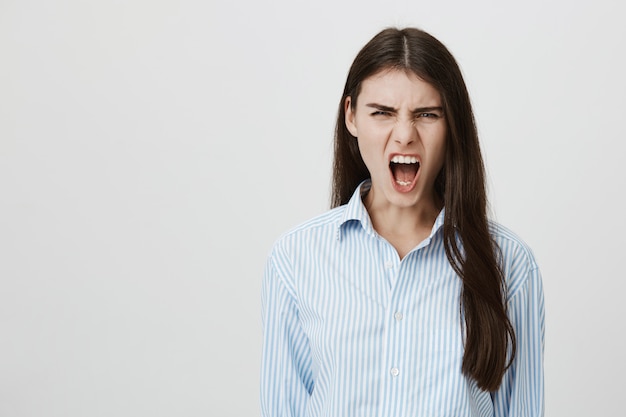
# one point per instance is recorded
(461, 185)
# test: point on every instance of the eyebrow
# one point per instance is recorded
(382, 107)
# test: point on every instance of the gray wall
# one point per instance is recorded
(151, 152)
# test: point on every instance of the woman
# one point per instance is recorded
(403, 300)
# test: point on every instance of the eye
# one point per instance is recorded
(381, 113)
(428, 116)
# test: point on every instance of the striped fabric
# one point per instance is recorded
(350, 330)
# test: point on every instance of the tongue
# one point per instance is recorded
(404, 172)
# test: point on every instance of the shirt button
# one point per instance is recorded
(398, 316)
(388, 264)
(394, 372)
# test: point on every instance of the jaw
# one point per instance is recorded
(398, 200)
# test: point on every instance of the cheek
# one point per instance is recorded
(371, 155)
(441, 154)
(438, 145)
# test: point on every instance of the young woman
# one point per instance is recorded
(404, 299)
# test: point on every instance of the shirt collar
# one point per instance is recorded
(355, 211)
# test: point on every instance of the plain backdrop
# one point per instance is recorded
(152, 151)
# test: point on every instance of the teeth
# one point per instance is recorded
(401, 159)
(403, 183)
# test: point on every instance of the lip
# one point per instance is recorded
(404, 188)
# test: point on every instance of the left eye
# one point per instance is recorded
(428, 115)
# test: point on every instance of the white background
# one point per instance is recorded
(152, 151)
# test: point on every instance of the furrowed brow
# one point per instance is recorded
(381, 107)
(427, 109)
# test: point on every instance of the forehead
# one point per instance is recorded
(393, 86)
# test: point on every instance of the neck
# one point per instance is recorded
(403, 227)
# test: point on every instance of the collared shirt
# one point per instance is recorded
(351, 330)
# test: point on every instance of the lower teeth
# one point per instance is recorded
(403, 183)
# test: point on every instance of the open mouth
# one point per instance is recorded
(404, 170)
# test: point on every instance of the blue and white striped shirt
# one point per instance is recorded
(350, 330)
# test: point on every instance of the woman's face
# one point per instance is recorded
(399, 124)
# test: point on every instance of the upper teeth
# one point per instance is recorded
(401, 159)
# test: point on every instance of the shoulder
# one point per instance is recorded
(516, 257)
(511, 244)
(296, 250)
(321, 227)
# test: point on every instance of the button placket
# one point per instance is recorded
(390, 269)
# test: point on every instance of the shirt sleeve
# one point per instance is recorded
(286, 377)
(522, 391)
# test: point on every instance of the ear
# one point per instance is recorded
(350, 125)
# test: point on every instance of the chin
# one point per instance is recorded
(404, 200)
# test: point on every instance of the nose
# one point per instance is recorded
(405, 132)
